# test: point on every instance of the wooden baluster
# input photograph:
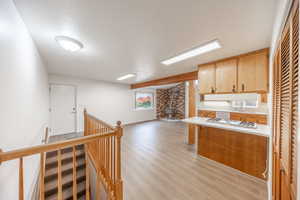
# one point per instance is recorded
(21, 180)
(98, 186)
(98, 150)
(111, 166)
(94, 132)
(59, 176)
(42, 176)
(105, 158)
(74, 174)
(87, 179)
(105, 154)
(89, 127)
(85, 123)
(119, 183)
(102, 154)
(94, 127)
(114, 160)
(109, 160)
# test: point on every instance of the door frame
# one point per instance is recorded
(75, 102)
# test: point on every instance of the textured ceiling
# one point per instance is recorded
(134, 36)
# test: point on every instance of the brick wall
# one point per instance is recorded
(171, 98)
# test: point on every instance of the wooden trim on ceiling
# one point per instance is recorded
(168, 80)
(236, 57)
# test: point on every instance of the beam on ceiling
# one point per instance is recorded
(168, 80)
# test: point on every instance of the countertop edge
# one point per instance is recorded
(265, 132)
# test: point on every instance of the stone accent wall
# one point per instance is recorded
(171, 99)
(162, 98)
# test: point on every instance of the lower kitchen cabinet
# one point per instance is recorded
(244, 152)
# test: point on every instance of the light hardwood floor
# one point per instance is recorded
(157, 164)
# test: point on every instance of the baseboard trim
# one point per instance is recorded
(140, 122)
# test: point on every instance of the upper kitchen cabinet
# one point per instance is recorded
(253, 72)
(207, 78)
(238, 74)
(226, 76)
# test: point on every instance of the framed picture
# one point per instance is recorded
(144, 100)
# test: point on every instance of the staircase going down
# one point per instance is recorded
(64, 169)
(51, 173)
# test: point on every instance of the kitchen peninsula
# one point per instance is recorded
(244, 149)
(237, 136)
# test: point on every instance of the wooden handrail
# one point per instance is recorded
(14, 154)
(102, 145)
(100, 121)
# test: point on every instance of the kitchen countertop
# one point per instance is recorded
(261, 130)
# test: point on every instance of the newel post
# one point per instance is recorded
(119, 182)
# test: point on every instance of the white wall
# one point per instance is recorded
(24, 99)
(108, 101)
(281, 14)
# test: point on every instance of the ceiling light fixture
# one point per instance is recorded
(210, 46)
(68, 43)
(126, 77)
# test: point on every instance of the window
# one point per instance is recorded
(143, 100)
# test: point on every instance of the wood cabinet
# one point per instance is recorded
(207, 79)
(241, 151)
(257, 118)
(243, 73)
(226, 76)
(253, 73)
(206, 113)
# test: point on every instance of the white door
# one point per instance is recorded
(62, 109)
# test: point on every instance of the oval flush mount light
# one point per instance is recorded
(68, 43)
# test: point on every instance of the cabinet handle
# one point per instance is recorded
(243, 87)
(215, 90)
(212, 90)
(233, 88)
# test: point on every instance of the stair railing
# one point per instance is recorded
(105, 155)
(103, 149)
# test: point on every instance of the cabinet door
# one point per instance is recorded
(226, 76)
(253, 73)
(207, 78)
